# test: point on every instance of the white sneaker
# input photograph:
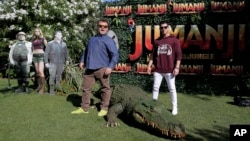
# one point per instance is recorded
(174, 111)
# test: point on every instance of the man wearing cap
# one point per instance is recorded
(20, 56)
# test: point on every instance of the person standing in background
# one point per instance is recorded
(166, 57)
(56, 55)
(20, 56)
(100, 57)
(39, 44)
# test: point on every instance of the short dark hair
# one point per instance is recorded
(163, 22)
(58, 31)
(103, 20)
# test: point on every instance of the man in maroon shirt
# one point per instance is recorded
(166, 57)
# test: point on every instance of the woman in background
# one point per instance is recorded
(38, 45)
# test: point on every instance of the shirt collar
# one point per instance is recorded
(100, 35)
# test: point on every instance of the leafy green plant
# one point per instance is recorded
(116, 20)
(76, 19)
(196, 18)
(73, 79)
(73, 76)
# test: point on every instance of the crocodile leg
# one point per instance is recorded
(113, 112)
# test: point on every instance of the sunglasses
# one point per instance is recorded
(163, 27)
(103, 26)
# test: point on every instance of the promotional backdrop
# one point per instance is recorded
(214, 36)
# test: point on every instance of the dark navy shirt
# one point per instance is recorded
(100, 52)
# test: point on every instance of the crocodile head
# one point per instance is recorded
(155, 115)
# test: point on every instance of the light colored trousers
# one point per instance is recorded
(170, 79)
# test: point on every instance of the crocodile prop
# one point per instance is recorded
(136, 104)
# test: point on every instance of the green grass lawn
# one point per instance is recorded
(33, 117)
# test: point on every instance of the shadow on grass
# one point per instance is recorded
(240, 101)
(76, 100)
(217, 134)
(8, 90)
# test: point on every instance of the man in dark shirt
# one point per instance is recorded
(56, 55)
(99, 58)
(166, 57)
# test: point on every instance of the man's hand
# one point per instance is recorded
(67, 63)
(176, 71)
(81, 65)
(149, 70)
(107, 71)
